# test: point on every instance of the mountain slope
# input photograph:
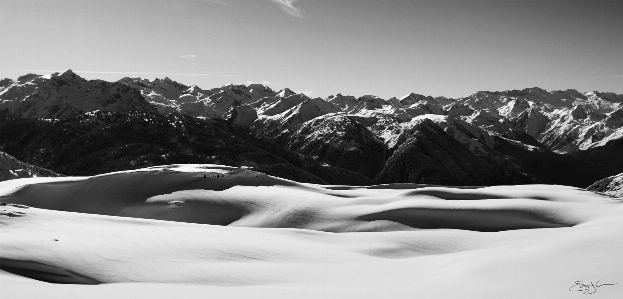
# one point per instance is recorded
(425, 154)
(339, 141)
(11, 168)
(612, 185)
(65, 95)
(100, 142)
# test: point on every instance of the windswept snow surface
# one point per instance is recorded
(197, 231)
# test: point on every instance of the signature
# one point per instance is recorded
(588, 288)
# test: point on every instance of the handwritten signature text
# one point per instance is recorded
(588, 288)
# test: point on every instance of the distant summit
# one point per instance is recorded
(66, 94)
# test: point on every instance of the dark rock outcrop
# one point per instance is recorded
(426, 154)
(612, 185)
(338, 141)
(11, 168)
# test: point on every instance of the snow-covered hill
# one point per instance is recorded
(184, 231)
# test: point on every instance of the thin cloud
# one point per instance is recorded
(177, 5)
(618, 76)
(287, 6)
(216, 2)
(188, 56)
(130, 73)
(306, 92)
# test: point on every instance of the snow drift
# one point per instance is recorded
(192, 230)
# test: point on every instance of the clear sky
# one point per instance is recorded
(322, 47)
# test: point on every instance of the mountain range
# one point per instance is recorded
(75, 126)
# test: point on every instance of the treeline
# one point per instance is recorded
(101, 142)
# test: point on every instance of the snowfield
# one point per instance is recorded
(197, 231)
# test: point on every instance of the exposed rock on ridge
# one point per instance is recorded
(612, 185)
(11, 168)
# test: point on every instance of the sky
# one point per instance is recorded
(387, 48)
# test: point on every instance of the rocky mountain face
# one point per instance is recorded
(337, 140)
(612, 185)
(11, 168)
(425, 154)
(488, 138)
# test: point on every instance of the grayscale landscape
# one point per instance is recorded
(311, 149)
